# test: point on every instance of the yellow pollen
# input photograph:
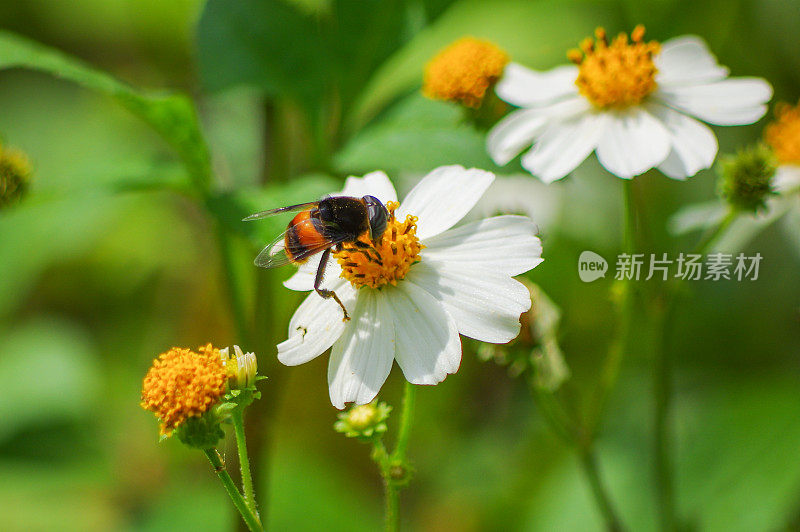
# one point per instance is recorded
(615, 75)
(464, 71)
(375, 264)
(182, 384)
(783, 134)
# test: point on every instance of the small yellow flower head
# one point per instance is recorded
(746, 178)
(183, 384)
(783, 134)
(15, 176)
(241, 368)
(364, 421)
(464, 71)
(617, 74)
(375, 264)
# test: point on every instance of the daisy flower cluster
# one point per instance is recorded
(413, 293)
(637, 104)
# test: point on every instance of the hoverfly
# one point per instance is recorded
(322, 226)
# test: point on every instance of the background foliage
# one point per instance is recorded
(113, 258)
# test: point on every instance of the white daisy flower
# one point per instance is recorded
(425, 283)
(630, 102)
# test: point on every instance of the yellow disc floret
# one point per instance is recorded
(182, 383)
(464, 71)
(615, 75)
(783, 135)
(375, 264)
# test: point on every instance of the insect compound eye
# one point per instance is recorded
(378, 216)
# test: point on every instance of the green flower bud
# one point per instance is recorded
(15, 176)
(745, 178)
(364, 422)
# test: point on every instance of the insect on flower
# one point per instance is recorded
(319, 227)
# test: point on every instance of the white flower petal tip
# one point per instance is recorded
(443, 197)
(564, 145)
(360, 363)
(634, 142)
(687, 59)
(728, 102)
(372, 184)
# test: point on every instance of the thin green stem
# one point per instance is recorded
(662, 440)
(661, 315)
(406, 420)
(248, 516)
(394, 467)
(589, 465)
(625, 298)
(237, 416)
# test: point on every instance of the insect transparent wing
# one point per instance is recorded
(274, 255)
(279, 210)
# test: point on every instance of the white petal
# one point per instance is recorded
(303, 279)
(787, 179)
(694, 145)
(428, 346)
(633, 142)
(362, 358)
(512, 134)
(373, 184)
(486, 304)
(506, 244)
(316, 325)
(687, 60)
(696, 217)
(729, 102)
(524, 87)
(443, 197)
(564, 145)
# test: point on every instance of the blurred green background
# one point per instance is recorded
(109, 262)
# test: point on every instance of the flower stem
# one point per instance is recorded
(662, 440)
(406, 420)
(219, 468)
(394, 467)
(237, 416)
(625, 296)
(589, 464)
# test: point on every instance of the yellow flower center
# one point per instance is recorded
(182, 384)
(374, 264)
(783, 135)
(615, 75)
(464, 71)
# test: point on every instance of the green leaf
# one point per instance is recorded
(537, 34)
(418, 134)
(265, 43)
(171, 115)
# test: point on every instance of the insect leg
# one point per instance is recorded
(322, 291)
